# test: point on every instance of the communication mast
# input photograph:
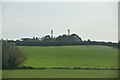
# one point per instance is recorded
(51, 33)
(68, 32)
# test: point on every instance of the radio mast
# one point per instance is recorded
(51, 33)
(68, 32)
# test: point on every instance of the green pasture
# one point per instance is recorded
(60, 74)
(71, 56)
(67, 56)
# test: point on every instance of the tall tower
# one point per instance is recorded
(68, 32)
(51, 33)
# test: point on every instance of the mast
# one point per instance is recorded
(51, 33)
(68, 32)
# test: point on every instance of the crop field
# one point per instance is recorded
(68, 56)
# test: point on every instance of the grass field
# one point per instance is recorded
(67, 56)
(59, 74)
(71, 56)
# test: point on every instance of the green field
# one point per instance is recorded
(67, 56)
(71, 56)
(60, 74)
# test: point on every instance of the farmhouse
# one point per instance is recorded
(26, 39)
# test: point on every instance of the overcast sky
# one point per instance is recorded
(90, 20)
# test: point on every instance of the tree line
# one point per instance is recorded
(61, 40)
(64, 43)
(64, 37)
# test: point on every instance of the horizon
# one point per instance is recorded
(90, 20)
(39, 37)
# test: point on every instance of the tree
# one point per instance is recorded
(75, 37)
(89, 40)
(12, 57)
(72, 37)
(47, 38)
(36, 38)
(0, 54)
(119, 45)
(63, 38)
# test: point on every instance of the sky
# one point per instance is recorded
(60, 0)
(90, 20)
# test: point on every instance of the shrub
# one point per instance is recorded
(12, 57)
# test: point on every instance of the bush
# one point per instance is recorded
(12, 57)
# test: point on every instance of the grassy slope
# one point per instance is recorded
(71, 56)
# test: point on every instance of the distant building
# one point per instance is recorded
(26, 39)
